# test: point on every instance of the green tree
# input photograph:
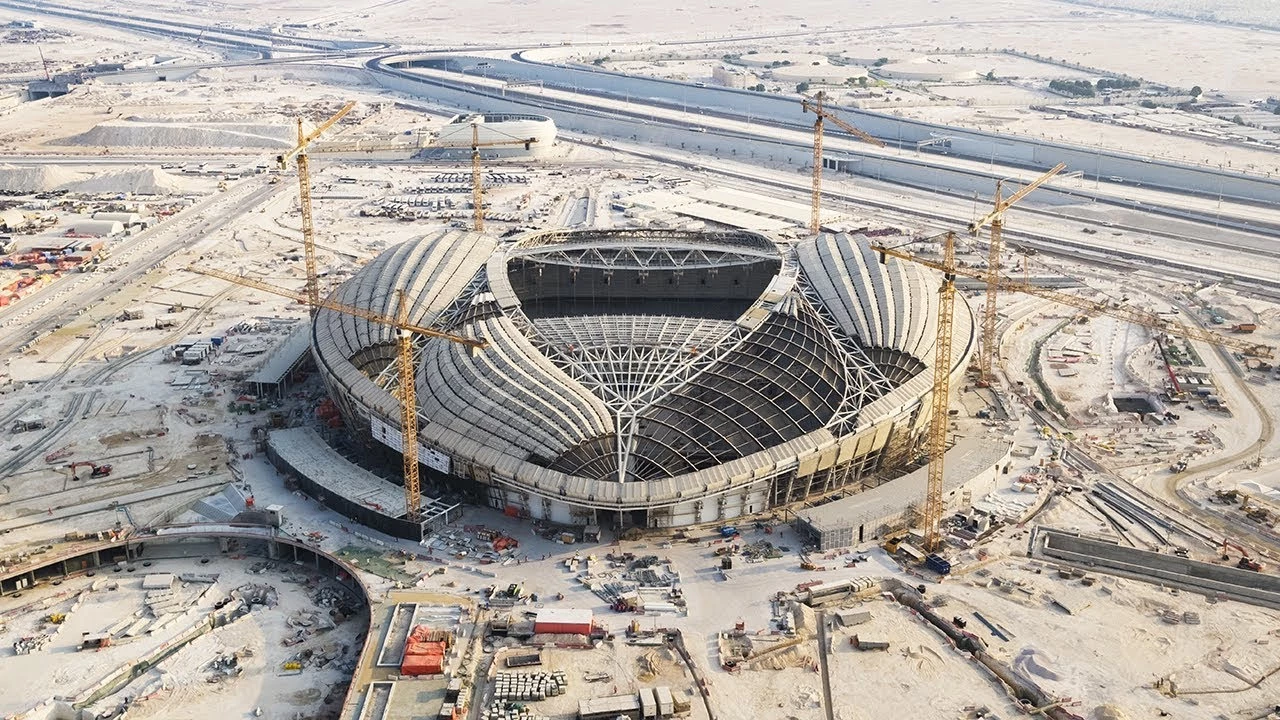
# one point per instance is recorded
(1237, 120)
(802, 87)
(991, 74)
(1196, 91)
(862, 81)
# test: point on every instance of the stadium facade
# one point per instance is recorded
(649, 378)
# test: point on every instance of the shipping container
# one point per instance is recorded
(937, 563)
(666, 702)
(648, 703)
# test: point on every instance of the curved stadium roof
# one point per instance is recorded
(639, 355)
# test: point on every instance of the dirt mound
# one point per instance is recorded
(178, 135)
(140, 181)
(19, 179)
(1110, 712)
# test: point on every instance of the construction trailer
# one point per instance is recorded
(666, 701)
(610, 707)
(563, 621)
(648, 704)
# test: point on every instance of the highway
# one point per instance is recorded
(1252, 228)
(262, 40)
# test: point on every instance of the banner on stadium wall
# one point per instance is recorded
(390, 436)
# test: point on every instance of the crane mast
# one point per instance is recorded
(941, 399)
(408, 395)
(406, 376)
(477, 181)
(820, 115)
(308, 228)
(986, 348)
(299, 155)
(995, 218)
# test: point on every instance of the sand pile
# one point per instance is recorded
(20, 179)
(139, 181)
(175, 135)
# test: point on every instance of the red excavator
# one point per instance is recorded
(1246, 562)
(95, 470)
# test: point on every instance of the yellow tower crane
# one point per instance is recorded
(299, 153)
(941, 398)
(477, 184)
(995, 218)
(933, 508)
(406, 394)
(821, 113)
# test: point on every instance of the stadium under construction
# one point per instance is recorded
(637, 378)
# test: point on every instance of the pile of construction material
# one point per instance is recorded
(226, 665)
(530, 686)
(424, 651)
(633, 583)
(30, 644)
(501, 710)
(253, 594)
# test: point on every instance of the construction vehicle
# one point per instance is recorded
(821, 114)
(299, 155)
(933, 507)
(95, 471)
(55, 618)
(95, 641)
(995, 218)
(1246, 562)
(406, 389)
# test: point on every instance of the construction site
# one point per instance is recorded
(673, 368)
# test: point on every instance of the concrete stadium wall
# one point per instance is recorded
(177, 542)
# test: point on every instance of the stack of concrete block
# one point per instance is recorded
(530, 686)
